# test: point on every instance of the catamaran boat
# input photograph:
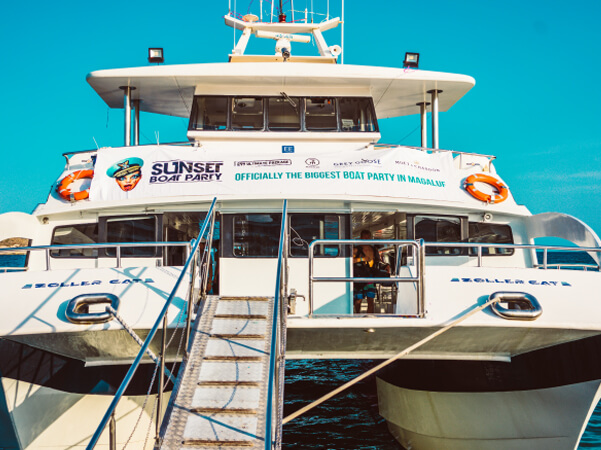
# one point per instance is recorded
(141, 249)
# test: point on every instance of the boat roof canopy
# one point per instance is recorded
(170, 89)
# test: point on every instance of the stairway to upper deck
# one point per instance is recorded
(220, 400)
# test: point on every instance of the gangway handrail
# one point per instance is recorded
(418, 278)
(277, 332)
(128, 377)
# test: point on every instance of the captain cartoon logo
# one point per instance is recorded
(127, 173)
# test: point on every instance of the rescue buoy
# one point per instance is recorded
(502, 190)
(63, 186)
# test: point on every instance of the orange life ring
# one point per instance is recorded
(502, 190)
(63, 186)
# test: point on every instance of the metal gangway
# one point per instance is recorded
(230, 386)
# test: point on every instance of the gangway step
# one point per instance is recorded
(220, 394)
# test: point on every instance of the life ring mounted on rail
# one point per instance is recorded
(63, 186)
(502, 190)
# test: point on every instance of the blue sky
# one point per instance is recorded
(535, 104)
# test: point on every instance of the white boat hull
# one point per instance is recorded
(51, 419)
(540, 419)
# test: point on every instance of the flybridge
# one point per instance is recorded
(260, 95)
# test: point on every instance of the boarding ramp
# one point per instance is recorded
(230, 386)
(221, 392)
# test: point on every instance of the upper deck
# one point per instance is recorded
(170, 90)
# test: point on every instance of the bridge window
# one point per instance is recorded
(320, 114)
(211, 113)
(284, 113)
(356, 114)
(247, 113)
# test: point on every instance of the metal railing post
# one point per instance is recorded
(545, 258)
(310, 295)
(191, 299)
(161, 381)
(118, 255)
(421, 293)
(208, 248)
(113, 432)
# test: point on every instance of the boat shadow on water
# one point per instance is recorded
(349, 420)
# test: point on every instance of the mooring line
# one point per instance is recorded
(371, 371)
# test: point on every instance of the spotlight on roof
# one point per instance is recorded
(411, 60)
(155, 55)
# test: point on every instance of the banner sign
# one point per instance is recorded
(161, 170)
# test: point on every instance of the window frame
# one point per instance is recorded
(158, 234)
(473, 252)
(343, 222)
(463, 224)
(55, 254)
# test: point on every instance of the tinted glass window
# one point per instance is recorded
(356, 115)
(72, 235)
(143, 229)
(439, 229)
(247, 113)
(256, 235)
(210, 113)
(490, 233)
(284, 113)
(305, 228)
(320, 114)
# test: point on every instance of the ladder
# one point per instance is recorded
(220, 396)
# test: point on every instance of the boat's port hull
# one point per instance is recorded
(52, 402)
(40, 417)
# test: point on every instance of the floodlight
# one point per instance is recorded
(155, 55)
(250, 18)
(411, 60)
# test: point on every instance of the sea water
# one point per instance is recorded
(350, 421)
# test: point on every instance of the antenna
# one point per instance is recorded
(342, 34)
(97, 146)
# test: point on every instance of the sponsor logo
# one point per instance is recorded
(361, 162)
(127, 173)
(179, 171)
(417, 165)
(264, 162)
(312, 162)
(287, 148)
